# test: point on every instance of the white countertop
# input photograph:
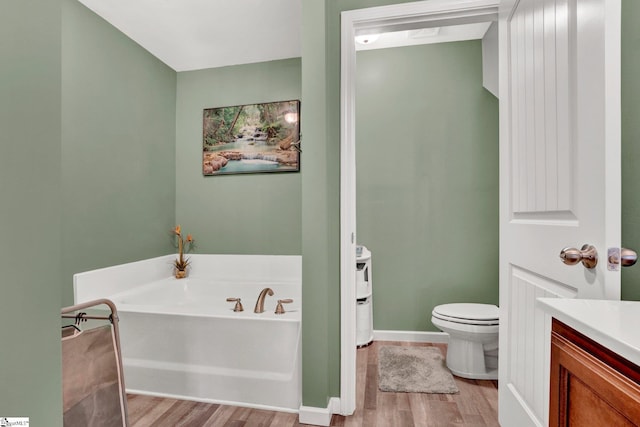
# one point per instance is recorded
(613, 324)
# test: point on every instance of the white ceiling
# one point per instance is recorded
(452, 33)
(196, 34)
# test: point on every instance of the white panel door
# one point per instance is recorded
(560, 178)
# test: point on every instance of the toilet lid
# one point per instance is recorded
(468, 313)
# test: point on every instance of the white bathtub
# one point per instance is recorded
(180, 338)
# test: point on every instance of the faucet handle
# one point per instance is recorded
(238, 306)
(280, 308)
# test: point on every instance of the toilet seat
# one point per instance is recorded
(467, 313)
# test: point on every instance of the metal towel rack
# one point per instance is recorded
(81, 316)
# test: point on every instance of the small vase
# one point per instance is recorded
(181, 274)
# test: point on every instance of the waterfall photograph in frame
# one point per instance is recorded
(252, 138)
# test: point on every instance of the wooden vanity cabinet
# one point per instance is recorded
(591, 386)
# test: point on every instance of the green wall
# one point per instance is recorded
(427, 180)
(118, 148)
(321, 196)
(630, 143)
(320, 218)
(235, 214)
(30, 150)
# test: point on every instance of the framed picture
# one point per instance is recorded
(253, 138)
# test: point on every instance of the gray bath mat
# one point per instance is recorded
(414, 370)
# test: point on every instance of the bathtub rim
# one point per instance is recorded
(291, 315)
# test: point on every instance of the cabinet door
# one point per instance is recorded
(585, 391)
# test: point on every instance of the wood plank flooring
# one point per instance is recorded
(475, 406)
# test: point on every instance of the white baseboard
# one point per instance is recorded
(411, 336)
(214, 401)
(319, 416)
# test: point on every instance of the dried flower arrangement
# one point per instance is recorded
(182, 263)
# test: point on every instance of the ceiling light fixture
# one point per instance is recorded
(367, 38)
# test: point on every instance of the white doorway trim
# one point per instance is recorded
(407, 16)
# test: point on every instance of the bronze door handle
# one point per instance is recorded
(624, 257)
(588, 255)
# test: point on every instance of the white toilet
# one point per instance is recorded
(473, 338)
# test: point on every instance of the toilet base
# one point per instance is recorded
(472, 359)
(491, 374)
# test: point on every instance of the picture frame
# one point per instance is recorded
(251, 138)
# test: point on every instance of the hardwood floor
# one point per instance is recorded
(475, 406)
